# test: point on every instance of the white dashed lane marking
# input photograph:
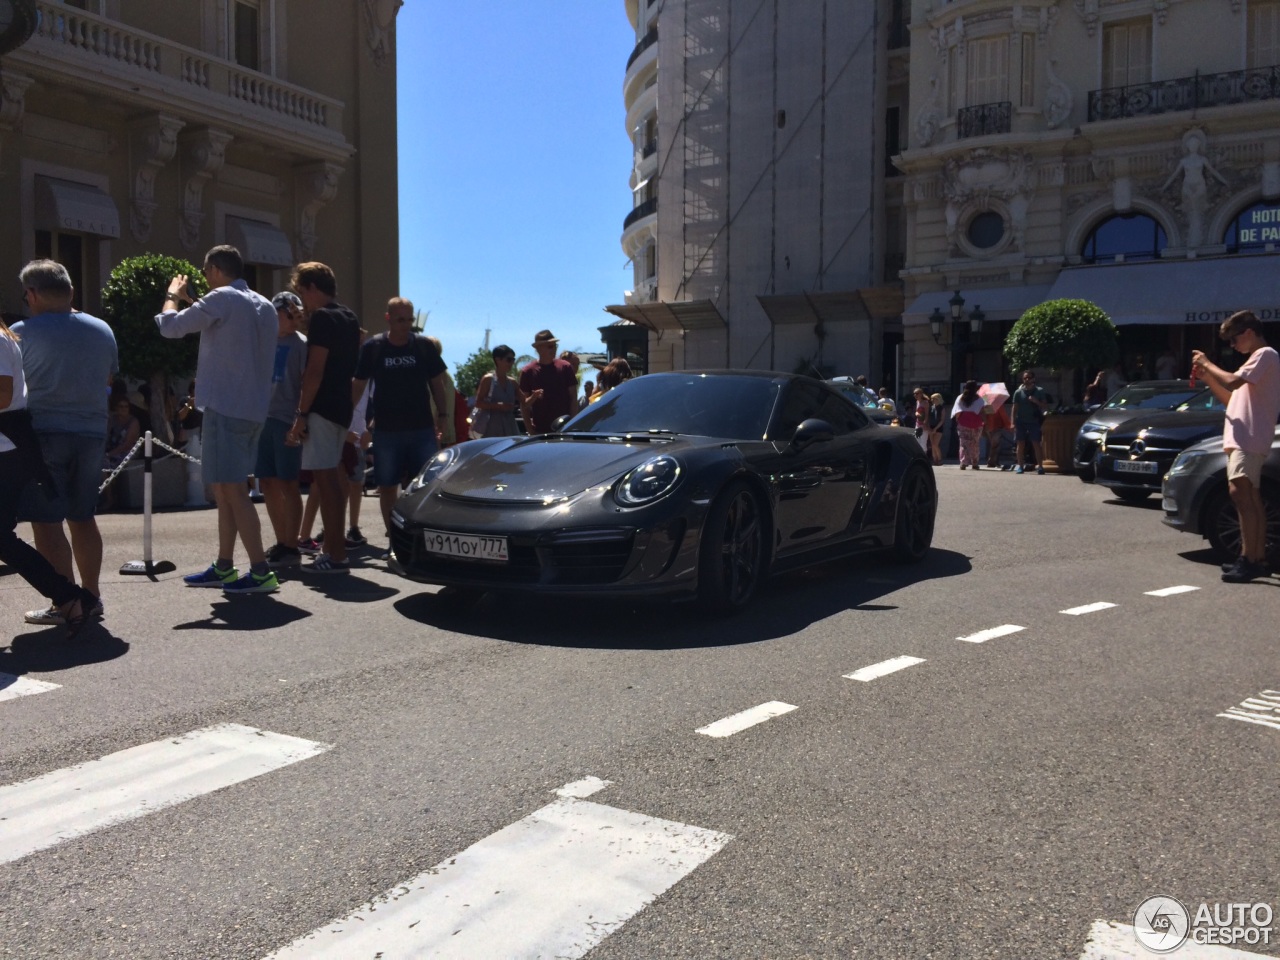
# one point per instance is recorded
(982, 636)
(747, 718)
(1264, 709)
(884, 668)
(581, 789)
(554, 884)
(1088, 608)
(1170, 591)
(12, 687)
(76, 801)
(1117, 941)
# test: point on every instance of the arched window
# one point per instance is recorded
(1255, 229)
(1133, 236)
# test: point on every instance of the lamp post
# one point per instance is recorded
(936, 320)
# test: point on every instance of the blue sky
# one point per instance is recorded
(514, 161)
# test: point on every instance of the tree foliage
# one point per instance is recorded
(1061, 334)
(130, 301)
(468, 374)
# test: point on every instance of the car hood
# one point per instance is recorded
(546, 469)
(1110, 419)
(1183, 427)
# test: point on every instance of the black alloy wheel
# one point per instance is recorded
(732, 556)
(1221, 524)
(917, 510)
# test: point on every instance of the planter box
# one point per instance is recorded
(1060, 431)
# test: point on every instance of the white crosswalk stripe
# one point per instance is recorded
(553, 884)
(883, 668)
(59, 806)
(12, 687)
(1088, 608)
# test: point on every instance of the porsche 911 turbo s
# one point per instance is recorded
(689, 485)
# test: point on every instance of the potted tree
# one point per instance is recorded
(1062, 335)
(130, 301)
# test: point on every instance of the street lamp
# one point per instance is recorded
(976, 316)
(936, 320)
(957, 305)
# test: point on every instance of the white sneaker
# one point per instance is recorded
(50, 617)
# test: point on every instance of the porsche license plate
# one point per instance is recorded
(1136, 466)
(465, 546)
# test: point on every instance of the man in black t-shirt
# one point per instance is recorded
(325, 404)
(407, 373)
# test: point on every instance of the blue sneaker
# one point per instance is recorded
(254, 583)
(1018, 469)
(215, 576)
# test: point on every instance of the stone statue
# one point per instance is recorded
(378, 17)
(1058, 101)
(1195, 188)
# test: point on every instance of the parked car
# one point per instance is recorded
(1133, 457)
(1127, 402)
(684, 485)
(1195, 498)
(858, 395)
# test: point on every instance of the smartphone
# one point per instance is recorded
(191, 294)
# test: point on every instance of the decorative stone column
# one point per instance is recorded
(153, 143)
(13, 99)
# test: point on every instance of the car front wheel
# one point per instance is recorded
(917, 509)
(1221, 524)
(732, 555)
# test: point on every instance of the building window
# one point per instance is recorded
(69, 250)
(1264, 34)
(1028, 70)
(1126, 54)
(986, 230)
(1255, 230)
(246, 33)
(892, 139)
(1124, 237)
(649, 263)
(987, 68)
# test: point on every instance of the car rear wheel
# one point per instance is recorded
(1132, 496)
(917, 510)
(1086, 474)
(1221, 524)
(731, 557)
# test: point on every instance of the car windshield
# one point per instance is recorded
(707, 405)
(857, 394)
(1205, 400)
(1137, 396)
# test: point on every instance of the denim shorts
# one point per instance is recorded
(229, 448)
(322, 450)
(1027, 431)
(398, 455)
(76, 465)
(276, 459)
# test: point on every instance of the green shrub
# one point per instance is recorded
(134, 294)
(1063, 334)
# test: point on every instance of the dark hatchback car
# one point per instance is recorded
(1133, 458)
(1196, 500)
(1129, 401)
(681, 485)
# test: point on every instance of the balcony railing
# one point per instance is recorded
(984, 119)
(650, 206)
(146, 67)
(647, 41)
(1185, 93)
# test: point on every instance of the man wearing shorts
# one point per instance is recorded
(408, 375)
(1252, 396)
(324, 407)
(1029, 404)
(279, 462)
(68, 360)
(238, 330)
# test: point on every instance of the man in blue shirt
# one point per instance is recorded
(238, 330)
(68, 359)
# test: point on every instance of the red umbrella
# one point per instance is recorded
(995, 394)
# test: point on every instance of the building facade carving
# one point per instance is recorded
(205, 153)
(154, 143)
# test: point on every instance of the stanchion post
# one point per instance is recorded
(145, 565)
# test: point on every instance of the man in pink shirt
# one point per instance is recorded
(1252, 396)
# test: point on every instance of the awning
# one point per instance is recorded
(1177, 291)
(64, 205)
(814, 308)
(259, 242)
(674, 315)
(998, 303)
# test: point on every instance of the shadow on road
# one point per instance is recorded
(47, 649)
(254, 612)
(343, 587)
(787, 605)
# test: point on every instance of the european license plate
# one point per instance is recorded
(465, 546)
(1135, 466)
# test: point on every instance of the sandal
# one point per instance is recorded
(78, 612)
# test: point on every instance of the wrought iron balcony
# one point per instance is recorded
(647, 41)
(1185, 93)
(650, 206)
(984, 119)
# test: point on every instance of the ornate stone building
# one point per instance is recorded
(171, 125)
(761, 235)
(1122, 151)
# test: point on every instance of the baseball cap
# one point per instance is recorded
(284, 300)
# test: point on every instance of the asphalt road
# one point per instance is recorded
(994, 799)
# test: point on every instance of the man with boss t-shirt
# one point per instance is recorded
(407, 375)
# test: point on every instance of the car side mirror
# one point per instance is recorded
(559, 423)
(811, 431)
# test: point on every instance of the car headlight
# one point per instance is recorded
(436, 466)
(1185, 462)
(649, 481)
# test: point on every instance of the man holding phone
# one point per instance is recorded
(238, 330)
